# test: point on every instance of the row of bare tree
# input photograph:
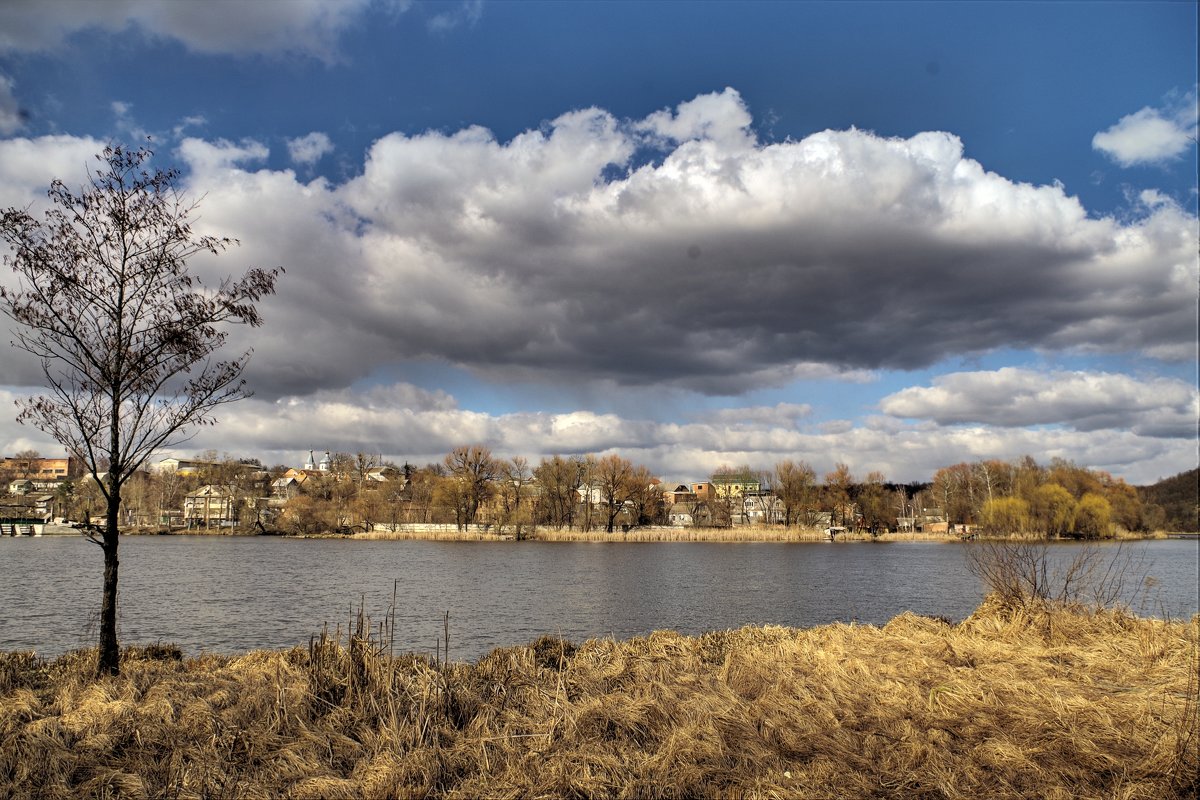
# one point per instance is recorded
(472, 485)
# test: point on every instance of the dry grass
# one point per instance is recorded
(1024, 702)
(750, 533)
(440, 534)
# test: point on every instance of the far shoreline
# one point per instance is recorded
(746, 535)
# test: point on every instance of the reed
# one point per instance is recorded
(665, 534)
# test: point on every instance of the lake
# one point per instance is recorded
(231, 594)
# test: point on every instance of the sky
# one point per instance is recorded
(892, 235)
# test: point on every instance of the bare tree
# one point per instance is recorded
(646, 497)
(515, 482)
(363, 464)
(473, 472)
(796, 485)
(587, 488)
(873, 501)
(557, 480)
(126, 336)
(614, 478)
(837, 495)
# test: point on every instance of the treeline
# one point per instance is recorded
(472, 486)
(1061, 499)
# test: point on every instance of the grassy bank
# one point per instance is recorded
(1021, 702)
(749, 533)
(773, 533)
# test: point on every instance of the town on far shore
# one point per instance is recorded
(472, 490)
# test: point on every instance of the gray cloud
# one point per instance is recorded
(308, 27)
(722, 266)
(778, 415)
(408, 424)
(1084, 401)
(904, 451)
(12, 118)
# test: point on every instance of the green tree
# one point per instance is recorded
(126, 336)
(1006, 515)
(1052, 509)
(1093, 517)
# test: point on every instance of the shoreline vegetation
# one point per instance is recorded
(1021, 699)
(748, 534)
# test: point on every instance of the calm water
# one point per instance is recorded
(227, 595)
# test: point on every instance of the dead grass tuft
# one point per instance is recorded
(1032, 701)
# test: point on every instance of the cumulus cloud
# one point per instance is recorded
(308, 150)
(720, 266)
(1084, 401)
(28, 165)
(405, 423)
(720, 118)
(1151, 135)
(213, 157)
(309, 27)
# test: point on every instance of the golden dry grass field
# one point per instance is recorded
(1012, 702)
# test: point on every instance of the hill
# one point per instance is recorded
(1179, 498)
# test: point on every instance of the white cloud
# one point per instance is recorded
(406, 423)
(28, 165)
(1152, 198)
(308, 27)
(210, 157)
(721, 117)
(1151, 135)
(195, 121)
(308, 150)
(420, 427)
(1084, 401)
(465, 12)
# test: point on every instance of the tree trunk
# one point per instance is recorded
(110, 654)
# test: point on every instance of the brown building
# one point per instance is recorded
(42, 470)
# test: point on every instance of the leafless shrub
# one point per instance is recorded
(1019, 572)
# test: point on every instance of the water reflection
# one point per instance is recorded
(234, 594)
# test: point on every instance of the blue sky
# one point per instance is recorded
(896, 235)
